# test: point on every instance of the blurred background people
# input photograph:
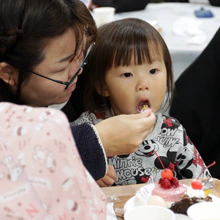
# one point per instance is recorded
(196, 103)
(120, 5)
(214, 2)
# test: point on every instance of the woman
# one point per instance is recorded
(42, 47)
(43, 178)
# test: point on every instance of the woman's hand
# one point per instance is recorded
(109, 178)
(123, 134)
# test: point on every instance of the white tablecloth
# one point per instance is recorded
(166, 14)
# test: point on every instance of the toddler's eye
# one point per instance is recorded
(127, 74)
(153, 71)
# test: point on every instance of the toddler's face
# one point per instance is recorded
(131, 87)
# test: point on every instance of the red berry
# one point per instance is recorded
(196, 184)
(175, 182)
(160, 180)
(167, 173)
(165, 183)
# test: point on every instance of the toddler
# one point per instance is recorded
(130, 69)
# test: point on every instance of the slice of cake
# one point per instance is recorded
(168, 186)
(172, 194)
(194, 194)
(185, 202)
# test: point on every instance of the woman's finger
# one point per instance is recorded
(105, 181)
(101, 183)
(111, 173)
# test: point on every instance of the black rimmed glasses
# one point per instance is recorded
(85, 61)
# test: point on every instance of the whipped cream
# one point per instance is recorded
(198, 193)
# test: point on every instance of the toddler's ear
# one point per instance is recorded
(8, 74)
(103, 92)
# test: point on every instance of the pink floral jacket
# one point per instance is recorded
(41, 174)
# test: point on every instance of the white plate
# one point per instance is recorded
(182, 217)
(131, 203)
(134, 202)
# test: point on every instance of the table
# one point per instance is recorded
(126, 192)
(166, 14)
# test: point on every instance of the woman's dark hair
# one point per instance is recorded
(116, 43)
(26, 26)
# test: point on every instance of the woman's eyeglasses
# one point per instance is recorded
(85, 61)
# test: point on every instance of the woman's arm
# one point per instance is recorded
(118, 135)
(90, 149)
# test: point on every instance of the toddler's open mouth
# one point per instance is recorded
(143, 105)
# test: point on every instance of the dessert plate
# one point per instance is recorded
(182, 217)
(134, 202)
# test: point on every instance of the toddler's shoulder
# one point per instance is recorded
(170, 120)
